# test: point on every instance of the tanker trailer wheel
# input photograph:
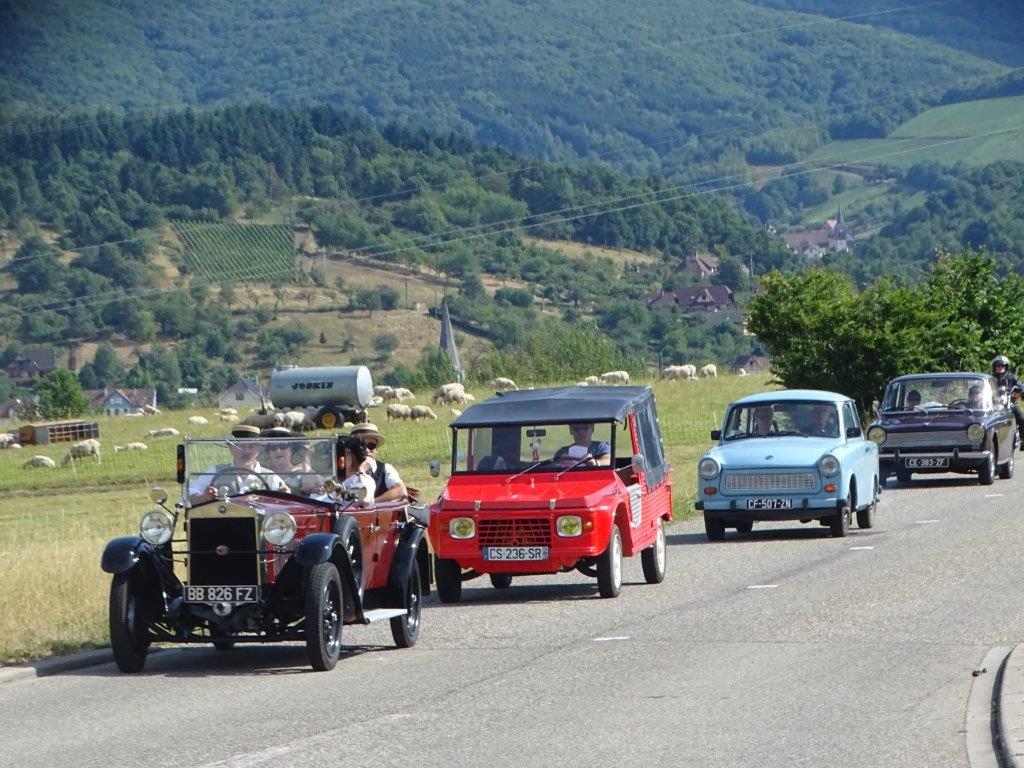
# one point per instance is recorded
(329, 417)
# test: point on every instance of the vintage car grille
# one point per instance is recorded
(238, 566)
(775, 481)
(935, 439)
(515, 532)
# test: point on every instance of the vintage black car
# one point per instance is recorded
(254, 554)
(944, 422)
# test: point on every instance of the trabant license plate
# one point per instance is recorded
(515, 553)
(219, 594)
(927, 462)
(769, 503)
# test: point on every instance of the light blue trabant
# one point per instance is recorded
(797, 454)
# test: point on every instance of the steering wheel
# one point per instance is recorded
(236, 474)
(961, 402)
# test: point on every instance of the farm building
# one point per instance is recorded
(244, 393)
(32, 364)
(116, 402)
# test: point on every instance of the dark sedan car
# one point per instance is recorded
(944, 422)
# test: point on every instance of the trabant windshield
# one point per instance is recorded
(924, 393)
(779, 418)
(240, 465)
(509, 449)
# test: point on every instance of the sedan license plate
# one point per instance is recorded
(219, 594)
(515, 553)
(769, 503)
(930, 462)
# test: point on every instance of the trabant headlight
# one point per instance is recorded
(279, 528)
(708, 468)
(157, 527)
(462, 528)
(569, 525)
(828, 464)
(976, 433)
(876, 435)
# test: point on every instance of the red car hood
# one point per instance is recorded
(586, 488)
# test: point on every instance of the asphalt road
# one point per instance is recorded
(852, 652)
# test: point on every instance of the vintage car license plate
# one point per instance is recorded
(929, 462)
(515, 553)
(219, 594)
(769, 503)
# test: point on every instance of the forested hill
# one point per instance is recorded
(684, 89)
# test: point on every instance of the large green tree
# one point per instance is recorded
(61, 396)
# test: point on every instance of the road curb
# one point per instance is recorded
(1010, 705)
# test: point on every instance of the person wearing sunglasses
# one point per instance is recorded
(243, 474)
(389, 485)
(598, 453)
(290, 460)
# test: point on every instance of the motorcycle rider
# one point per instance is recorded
(1006, 382)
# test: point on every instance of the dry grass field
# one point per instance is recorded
(584, 252)
(55, 522)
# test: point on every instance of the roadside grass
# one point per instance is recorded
(55, 523)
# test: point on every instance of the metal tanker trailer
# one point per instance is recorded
(339, 393)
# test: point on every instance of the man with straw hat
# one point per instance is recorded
(389, 486)
(243, 474)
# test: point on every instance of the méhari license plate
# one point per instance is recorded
(515, 553)
(769, 503)
(219, 594)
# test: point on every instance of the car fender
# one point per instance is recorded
(327, 547)
(122, 554)
(407, 556)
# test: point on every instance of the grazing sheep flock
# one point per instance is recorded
(198, 420)
(501, 384)
(418, 412)
(709, 371)
(81, 449)
(398, 412)
(38, 462)
(164, 432)
(131, 447)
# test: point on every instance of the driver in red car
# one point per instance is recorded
(598, 453)
(243, 473)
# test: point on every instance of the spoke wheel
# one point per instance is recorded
(406, 629)
(609, 566)
(653, 558)
(324, 611)
(127, 632)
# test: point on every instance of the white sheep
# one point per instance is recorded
(131, 447)
(375, 401)
(397, 411)
(15, 446)
(447, 393)
(742, 372)
(263, 420)
(382, 390)
(150, 410)
(461, 399)
(615, 377)
(418, 412)
(198, 420)
(164, 432)
(502, 384)
(401, 393)
(294, 420)
(673, 372)
(228, 412)
(227, 417)
(455, 412)
(6, 440)
(709, 371)
(591, 381)
(348, 425)
(39, 461)
(81, 449)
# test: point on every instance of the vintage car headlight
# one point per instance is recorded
(569, 525)
(876, 435)
(462, 528)
(279, 528)
(976, 433)
(708, 467)
(157, 527)
(828, 464)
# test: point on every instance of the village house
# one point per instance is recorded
(753, 363)
(699, 265)
(244, 393)
(834, 237)
(707, 298)
(30, 365)
(119, 401)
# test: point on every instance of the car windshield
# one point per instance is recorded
(925, 393)
(779, 418)
(526, 447)
(295, 465)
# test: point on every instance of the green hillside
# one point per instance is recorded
(653, 85)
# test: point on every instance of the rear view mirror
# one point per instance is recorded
(536, 432)
(435, 468)
(716, 434)
(853, 432)
(638, 462)
(158, 495)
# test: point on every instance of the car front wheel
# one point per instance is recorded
(449, 579)
(987, 471)
(653, 558)
(839, 523)
(865, 516)
(127, 634)
(324, 616)
(1006, 468)
(609, 566)
(501, 580)
(714, 528)
(406, 629)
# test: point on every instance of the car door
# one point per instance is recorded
(862, 452)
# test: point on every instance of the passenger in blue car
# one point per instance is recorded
(764, 421)
(821, 421)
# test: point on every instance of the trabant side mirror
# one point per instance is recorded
(158, 495)
(435, 468)
(716, 434)
(853, 432)
(638, 463)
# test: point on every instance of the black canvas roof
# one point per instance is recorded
(554, 406)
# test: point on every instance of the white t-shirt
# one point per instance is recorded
(391, 478)
(257, 476)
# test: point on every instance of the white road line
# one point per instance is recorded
(610, 639)
(994, 495)
(762, 586)
(855, 549)
(922, 522)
